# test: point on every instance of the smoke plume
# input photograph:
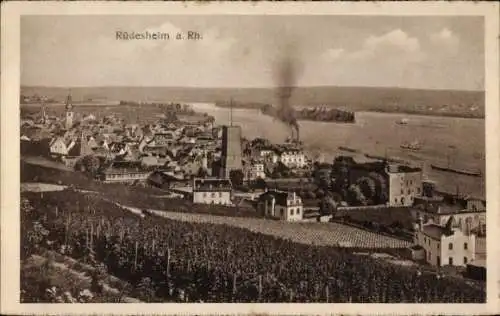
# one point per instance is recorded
(286, 82)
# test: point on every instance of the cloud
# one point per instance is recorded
(332, 54)
(395, 46)
(445, 38)
(393, 43)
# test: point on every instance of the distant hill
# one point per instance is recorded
(438, 102)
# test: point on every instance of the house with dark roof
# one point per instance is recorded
(124, 171)
(212, 191)
(281, 205)
(445, 244)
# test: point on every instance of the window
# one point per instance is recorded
(204, 194)
(402, 191)
(465, 246)
(465, 260)
(220, 194)
(418, 190)
(409, 191)
(291, 211)
(450, 246)
(437, 245)
(213, 194)
(450, 261)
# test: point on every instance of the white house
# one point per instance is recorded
(212, 191)
(293, 158)
(255, 170)
(286, 206)
(60, 146)
(445, 245)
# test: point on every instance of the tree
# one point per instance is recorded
(368, 187)
(320, 193)
(355, 195)
(310, 195)
(260, 183)
(328, 206)
(91, 164)
(236, 177)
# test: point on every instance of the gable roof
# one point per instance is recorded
(451, 224)
(280, 197)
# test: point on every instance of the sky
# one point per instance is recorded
(244, 51)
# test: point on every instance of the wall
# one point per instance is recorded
(431, 247)
(212, 197)
(297, 215)
(127, 177)
(458, 252)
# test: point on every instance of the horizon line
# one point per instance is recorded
(254, 87)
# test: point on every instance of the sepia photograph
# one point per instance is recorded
(252, 158)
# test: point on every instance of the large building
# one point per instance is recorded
(212, 191)
(405, 183)
(231, 158)
(470, 213)
(445, 244)
(384, 183)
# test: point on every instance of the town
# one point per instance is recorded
(213, 165)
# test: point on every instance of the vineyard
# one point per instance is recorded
(167, 260)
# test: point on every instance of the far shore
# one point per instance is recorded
(382, 111)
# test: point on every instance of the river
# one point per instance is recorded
(459, 141)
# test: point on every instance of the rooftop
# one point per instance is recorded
(212, 184)
(434, 231)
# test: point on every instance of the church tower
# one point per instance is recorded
(69, 112)
(43, 114)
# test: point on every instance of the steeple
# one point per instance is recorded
(69, 112)
(69, 101)
(43, 114)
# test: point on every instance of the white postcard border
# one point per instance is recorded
(10, 149)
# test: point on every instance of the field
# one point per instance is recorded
(434, 102)
(321, 234)
(165, 260)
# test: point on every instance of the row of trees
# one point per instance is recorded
(324, 115)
